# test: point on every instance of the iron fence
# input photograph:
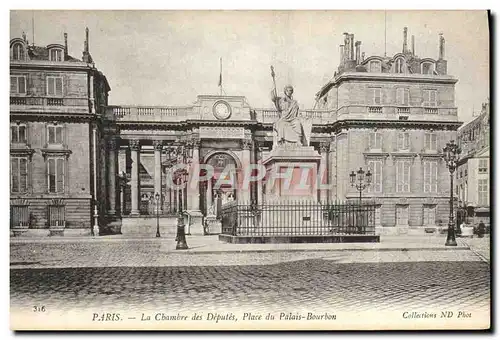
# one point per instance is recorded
(298, 218)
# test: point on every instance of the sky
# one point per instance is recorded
(170, 57)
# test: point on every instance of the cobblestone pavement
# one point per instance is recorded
(158, 252)
(319, 284)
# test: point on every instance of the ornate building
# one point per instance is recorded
(392, 115)
(473, 172)
(56, 146)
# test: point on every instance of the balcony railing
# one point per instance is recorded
(403, 110)
(374, 109)
(317, 116)
(431, 110)
(47, 101)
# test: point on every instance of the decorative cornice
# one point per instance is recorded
(22, 152)
(56, 152)
(375, 154)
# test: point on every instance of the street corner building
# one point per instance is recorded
(83, 166)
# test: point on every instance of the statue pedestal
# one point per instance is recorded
(292, 173)
(194, 226)
(212, 226)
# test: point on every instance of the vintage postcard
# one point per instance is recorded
(249, 170)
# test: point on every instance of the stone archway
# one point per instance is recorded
(224, 163)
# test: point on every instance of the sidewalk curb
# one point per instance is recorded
(208, 252)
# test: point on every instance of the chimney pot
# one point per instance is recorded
(65, 45)
(358, 52)
(441, 46)
(413, 44)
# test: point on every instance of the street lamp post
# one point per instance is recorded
(180, 153)
(360, 180)
(450, 155)
(157, 199)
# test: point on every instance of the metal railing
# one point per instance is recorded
(57, 216)
(20, 216)
(298, 218)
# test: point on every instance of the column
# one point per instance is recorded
(332, 170)
(259, 182)
(158, 146)
(193, 189)
(112, 164)
(209, 194)
(135, 148)
(322, 181)
(246, 144)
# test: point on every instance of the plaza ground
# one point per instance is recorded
(133, 275)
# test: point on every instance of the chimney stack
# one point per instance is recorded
(341, 48)
(358, 52)
(413, 44)
(65, 45)
(86, 48)
(405, 44)
(441, 46)
(346, 46)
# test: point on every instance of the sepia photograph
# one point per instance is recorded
(250, 170)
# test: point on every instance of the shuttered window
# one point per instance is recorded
(430, 176)
(18, 84)
(18, 174)
(376, 95)
(429, 215)
(55, 175)
(403, 176)
(18, 133)
(404, 141)
(430, 98)
(54, 86)
(402, 96)
(55, 134)
(375, 141)
(376, 170)
(430, 141)
(482, 192)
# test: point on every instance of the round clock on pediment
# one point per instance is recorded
(222, 110)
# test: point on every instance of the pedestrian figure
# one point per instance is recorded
(480, 229)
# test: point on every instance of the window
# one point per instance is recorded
(430, 176)
(54, 86)
(404, 141)
(376, 95)
(375, 66)
(427, 68)
(18, 133)
(430, 141)
(55, 175)
(402, 96)
(402, 214)
(482, 191)
(18, 174)
(375, 140)
(55, 54)
(18, 84)
(376, 170)
(429, 215)
(461, 173)
(403, 176)
(483, 166)
(55, 134)
(399, 66)
(430, 98)
(18, 51)
(465, 173)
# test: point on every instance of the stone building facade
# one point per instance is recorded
(392, 115)
(473, 171)
(56, 145)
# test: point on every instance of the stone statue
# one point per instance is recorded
(289, 128)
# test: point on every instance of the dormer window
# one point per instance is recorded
(399, 66)
(427, 68)
(375, 66)
(56, 54)
(18, 51)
